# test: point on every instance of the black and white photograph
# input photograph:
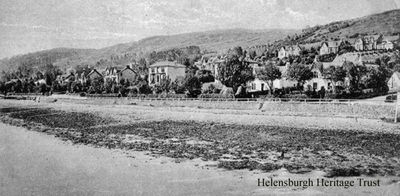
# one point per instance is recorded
(199, 97)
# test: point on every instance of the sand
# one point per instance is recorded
(34, 163)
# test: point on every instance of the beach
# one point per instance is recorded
(35, 162)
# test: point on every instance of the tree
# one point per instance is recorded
(377, 79)
(178, 85)
(108, 85)
(165, 84)
(96, 85)
(269, 73)
(300, 73)
(144, 88)
(234, 72)
(24, 70)
(345, 47)
(205, 76)
(355, 74)
(50, 73)
(335, 74)
(193, 86)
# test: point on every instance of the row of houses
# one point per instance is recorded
(114, 74)
(157, 72)
(366, 43)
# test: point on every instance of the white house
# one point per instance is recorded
(329, 47)
(257, 85)
(287, 51)
(394, 82)
(165, 69)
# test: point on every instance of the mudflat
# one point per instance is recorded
(237, 155)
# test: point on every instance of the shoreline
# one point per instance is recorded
(120, 135)
(79, 169)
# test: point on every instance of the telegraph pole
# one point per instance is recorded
(397, 107)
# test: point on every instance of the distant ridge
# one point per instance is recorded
(387, 23)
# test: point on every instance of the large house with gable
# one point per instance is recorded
(330, 47)
(165, 69)
(116, 74)
(287, 51)
(374, 42)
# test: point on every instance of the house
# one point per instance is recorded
(111, 74)
(329, 47)
(317, 82)
(354, 57)
(259, 50)
(394, 82)
(258, 85)
(359, 44)
(385, 45)
(368, 42)
(127, 74)
(287, 51)
(165, 69)
(94, 74)
(67, 78)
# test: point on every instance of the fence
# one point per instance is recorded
(280, 100)
(374, 108)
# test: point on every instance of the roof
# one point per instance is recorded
(127, 68)
(292, 47)
(332, 44)
(396, 74)
(167, 64)
(95, 71)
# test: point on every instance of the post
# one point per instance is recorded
(397, 107)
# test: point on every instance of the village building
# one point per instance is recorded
(385, 45)
(66, 78)
(394, 82)
(258, 85)
(329, 47)
(287, 51)
(258, 49)
(165, 69)
(116, 74)
(94, 74)
(111, 74)
(128, 74)
(368, 42)
(318, 81)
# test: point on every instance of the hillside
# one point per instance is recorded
(122, 53)
(387, 23)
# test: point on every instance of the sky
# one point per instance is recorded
(33, 25)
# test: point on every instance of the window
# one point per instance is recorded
(162, 70)
(158, 78)
(315, 74)
(151, 79)
(153, 70)
(253, 86)
(315, 85)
